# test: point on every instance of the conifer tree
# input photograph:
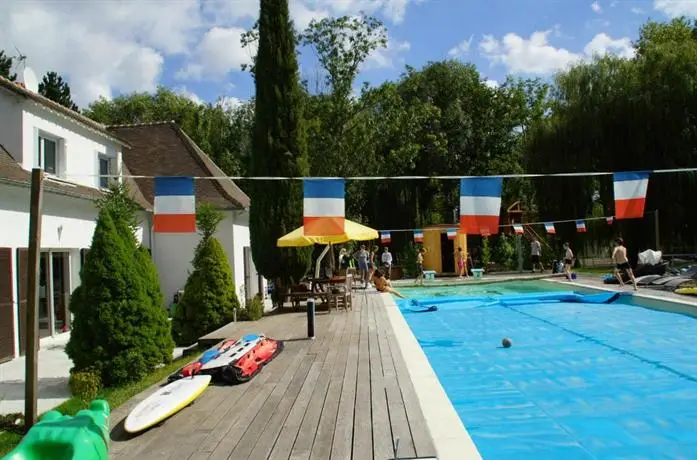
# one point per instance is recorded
(278, 146)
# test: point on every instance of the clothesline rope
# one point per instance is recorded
(455, 226)
(371, 178)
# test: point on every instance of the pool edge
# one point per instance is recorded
(450, 437)
(641, 293)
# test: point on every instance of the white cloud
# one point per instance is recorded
(636, 10)
(229, 102)
(491, 83)
(184, 92)
(676, 8)
(393, 10)
(536, 56)
(595, 6)
(113, 46)
(461, 49)
(218, 53)
(384, 58)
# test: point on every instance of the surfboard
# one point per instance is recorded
(165, 402)
(245, 346)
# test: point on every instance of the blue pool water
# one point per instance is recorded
(581, 381)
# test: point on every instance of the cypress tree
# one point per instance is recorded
(209, 299)
(120, 327)
(278, 146)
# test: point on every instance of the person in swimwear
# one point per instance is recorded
(420, 266)
(619, 256)
(382, 284)
(568, 260)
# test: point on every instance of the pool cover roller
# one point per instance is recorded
(62, 437)
(523, 299)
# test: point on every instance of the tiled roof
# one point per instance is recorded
(56, 107)
(164, 149)
(12, 173)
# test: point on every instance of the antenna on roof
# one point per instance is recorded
(21, 57)
(25, 76)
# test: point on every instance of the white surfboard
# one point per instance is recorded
(233, 353)
(165, 402)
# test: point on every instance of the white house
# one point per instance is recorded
(164, 149)
(74, 151)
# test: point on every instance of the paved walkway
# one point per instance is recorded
(54, 373)
(345, 395)
(54, 370)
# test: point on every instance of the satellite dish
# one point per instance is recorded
(28, 78)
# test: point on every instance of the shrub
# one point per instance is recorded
(119, 329)
(486, 252)
(407, 260)
(254, 310)
(85, 384)
(209, 293)
(505, 252)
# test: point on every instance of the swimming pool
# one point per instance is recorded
(580, 381)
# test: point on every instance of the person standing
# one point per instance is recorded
(535, 255)
(619, 256)
(362, 259)
(387, 262)
(461, 264)
(568, 260)
(420, 266)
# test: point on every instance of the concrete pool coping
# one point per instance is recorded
(449, 435)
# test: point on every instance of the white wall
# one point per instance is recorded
(67, 222)
(241, 237)
(11, 124)
(173, 254)
(78, 146)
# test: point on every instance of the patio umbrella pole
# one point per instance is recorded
(311, 302)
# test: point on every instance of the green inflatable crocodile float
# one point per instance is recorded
(62, 437)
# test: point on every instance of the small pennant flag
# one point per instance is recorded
(480, 205)
(419, 236)
(323, 207)
(518, 229)
(580, 226)
(175, 205)
(385, 237)
(630, 194)
(549, 227)
(610, 220)
(452, 233)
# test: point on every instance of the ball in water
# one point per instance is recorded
(506, 342)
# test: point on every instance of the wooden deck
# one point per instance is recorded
(344, 395)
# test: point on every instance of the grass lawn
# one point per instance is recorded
(115, 397)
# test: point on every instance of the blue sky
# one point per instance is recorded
(110, 47)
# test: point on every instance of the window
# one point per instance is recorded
(105, 169)
(48, 155)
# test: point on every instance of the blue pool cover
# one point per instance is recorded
(582, 380)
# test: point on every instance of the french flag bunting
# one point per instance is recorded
(580, 226)
(630, 194)
(418, 236)
(385, 237)
(518, 229)
(175, 205)
(323, 207)
(452, 233)
(549, 228)
(480, 205)
(610, 220)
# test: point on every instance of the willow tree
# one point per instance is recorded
(278, 146)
